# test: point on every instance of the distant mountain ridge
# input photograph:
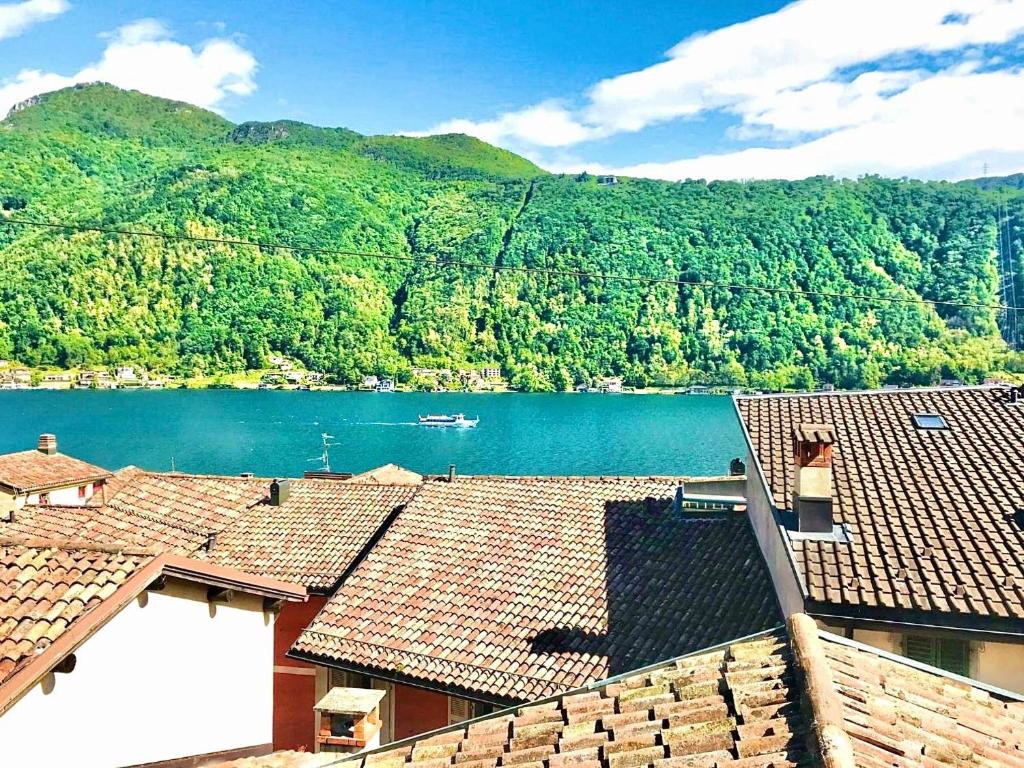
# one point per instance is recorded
(98, 155)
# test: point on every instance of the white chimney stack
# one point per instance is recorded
(47, 444)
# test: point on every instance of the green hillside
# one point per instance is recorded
(97, 155)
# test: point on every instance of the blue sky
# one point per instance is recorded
(668, 89)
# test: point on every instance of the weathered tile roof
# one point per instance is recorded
(55, 594)
(31, 471)
(173, 512)
(899, 714)
(513, 588)
(777, 700)
(735, 705)
(45, 589)
(312, 539)
(315, 536)
(936, 517)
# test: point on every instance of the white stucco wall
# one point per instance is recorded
(63, 496)
(163, 679)
(769, 539)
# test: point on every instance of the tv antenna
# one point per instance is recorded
(325, 457)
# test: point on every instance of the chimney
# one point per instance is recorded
(451, 473)
(279, 492)
(812, 476)
(47, 444)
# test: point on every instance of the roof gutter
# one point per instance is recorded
(983, 628)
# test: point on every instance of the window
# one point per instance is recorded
(929, 421)
(81, 491)
(950, 654)
(44, 498)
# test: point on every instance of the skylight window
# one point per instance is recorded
(929, 421)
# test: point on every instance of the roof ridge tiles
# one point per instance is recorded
(76, 545)
(852, 392)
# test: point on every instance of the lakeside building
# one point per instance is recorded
(468, 606)
(895, 517)
(82, 626)
(617, 543)
(45, 476)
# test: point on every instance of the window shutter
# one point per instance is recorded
(950, 654)
(955, 656)
(458, 710)
(921, 649)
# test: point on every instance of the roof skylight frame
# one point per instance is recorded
(929, 421)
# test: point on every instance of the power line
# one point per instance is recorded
(504, 267)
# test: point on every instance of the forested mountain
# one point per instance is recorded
(445, 211)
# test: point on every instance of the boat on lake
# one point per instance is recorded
(444, 420)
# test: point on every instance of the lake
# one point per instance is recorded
(278, 433)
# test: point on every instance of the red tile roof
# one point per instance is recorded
(512, 588)
(936, 517)
(32, 471)
(311, 539)
(45, 589)
(776, 700)
(315, 536)
(288, 759)
(172, 512)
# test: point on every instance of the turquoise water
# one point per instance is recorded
(276, 433)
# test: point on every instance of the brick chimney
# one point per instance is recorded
(47, 444)
(812, 476)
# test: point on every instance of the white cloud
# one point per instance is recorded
(548, 124)
(142, 56)
(15, 18)
(783, 76)
(948, 126)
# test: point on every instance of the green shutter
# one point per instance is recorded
(921, 649)
(955, 656)
(950, 654)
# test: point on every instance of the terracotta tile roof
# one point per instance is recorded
(45, 589)
(735, 705)
(312, 539)
(315, 536)
(776, 700)
(936, 516)
(897, 714)
(513, 588)
(30, 471)
(170, 511)
(389, 473)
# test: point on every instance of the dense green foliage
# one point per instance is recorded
(97, 155)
